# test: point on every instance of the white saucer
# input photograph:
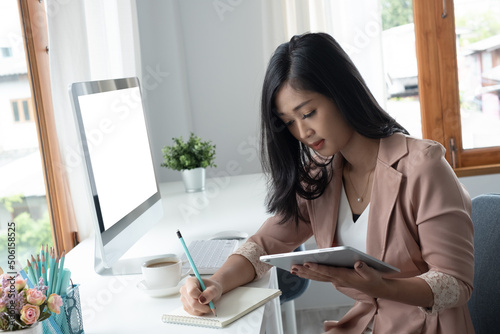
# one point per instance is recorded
(158, 292)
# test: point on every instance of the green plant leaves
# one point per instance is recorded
(192, 154)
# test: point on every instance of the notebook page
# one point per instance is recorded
(232, 306)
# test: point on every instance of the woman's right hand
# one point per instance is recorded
(195, 301)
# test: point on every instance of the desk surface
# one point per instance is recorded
(113, 304)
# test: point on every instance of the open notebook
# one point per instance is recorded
(232, 306)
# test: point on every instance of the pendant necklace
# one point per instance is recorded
(359, 199)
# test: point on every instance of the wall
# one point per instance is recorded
(481, 184)
(202, 67)
(203, 64)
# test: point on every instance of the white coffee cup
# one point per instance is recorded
(162, 272)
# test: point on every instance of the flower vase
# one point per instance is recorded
(37, 328)
(194, 179)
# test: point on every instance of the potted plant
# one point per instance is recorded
(191, 158)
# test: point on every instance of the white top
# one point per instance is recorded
(350, 233)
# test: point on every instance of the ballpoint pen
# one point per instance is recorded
(193, 266)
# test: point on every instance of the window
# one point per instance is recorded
(22, 110)
(434, 78)
(39, 206)
(400, 65)
(478, 56)
(448, 115)
(15, 110)
(6, 52)
(24, 211)
(61, 206)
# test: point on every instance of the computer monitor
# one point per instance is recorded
(125, 197)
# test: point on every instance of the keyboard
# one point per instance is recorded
(209, 255)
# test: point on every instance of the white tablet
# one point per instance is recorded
(342, 256)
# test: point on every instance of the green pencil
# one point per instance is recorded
(53, 281)
(44, 270)
(31, 274)
(60, 274)
(36, 274)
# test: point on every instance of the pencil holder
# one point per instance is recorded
(69, 320)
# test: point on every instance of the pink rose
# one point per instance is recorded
(35, 297)
(30, 314)
(54, 303)
(20, 283)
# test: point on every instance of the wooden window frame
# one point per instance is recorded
(35, 34)
(435, 42)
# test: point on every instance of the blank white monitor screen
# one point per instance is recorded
(119, 150)
(123, 187)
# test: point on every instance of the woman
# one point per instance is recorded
(342, 170)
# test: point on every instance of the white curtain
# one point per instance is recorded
(356, 25)
(88, 40)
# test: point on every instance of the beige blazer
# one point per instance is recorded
(419, 220)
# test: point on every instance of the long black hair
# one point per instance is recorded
(312, 62)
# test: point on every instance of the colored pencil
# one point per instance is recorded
(47, 255)
(60, 274)
(39, 263)
(36, 274)
(31, 274)
(44, 272)
(53, 280)
(195, 270)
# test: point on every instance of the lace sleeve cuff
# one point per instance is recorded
(252, 252)
(445, 289)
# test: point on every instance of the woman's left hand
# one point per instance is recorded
(362, 277)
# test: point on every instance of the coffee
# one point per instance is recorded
(163, 272)
(160, 264)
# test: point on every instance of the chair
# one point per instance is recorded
(291, 287)
(484, 304)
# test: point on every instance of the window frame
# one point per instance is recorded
(35, 37)
(435, 42)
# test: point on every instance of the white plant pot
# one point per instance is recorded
(194, 179)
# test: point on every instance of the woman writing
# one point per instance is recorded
(344, 171)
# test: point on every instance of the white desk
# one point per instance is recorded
(113, 304)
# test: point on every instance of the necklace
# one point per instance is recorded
(358, 198)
